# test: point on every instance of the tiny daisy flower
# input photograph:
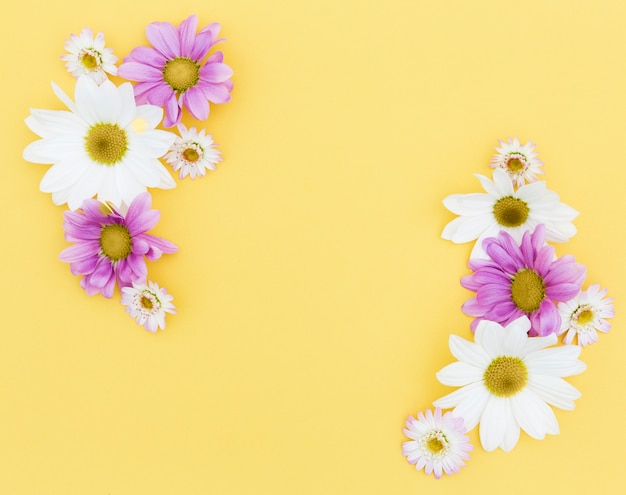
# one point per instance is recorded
(519, 161)
(507, 380)
(438, 444)
(504, 208)
(88, 56)
(584, 314)
(106, 145)
(173, 73)
(519, 280)
(110, 247)
(148, 303)
(192, 153)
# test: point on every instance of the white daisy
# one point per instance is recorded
(193, 153)
(584, 314)
(88, 56)
(438, 443)
(504, 208)
(519, 161)
(148, 304)
(105, 145)
(508, 379)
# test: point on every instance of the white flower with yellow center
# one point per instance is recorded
(88, 56)
(106, 145)
(507, 380)
(502, 207)
(192, 153)
(519, 161)
(584, 314)
(148, 303)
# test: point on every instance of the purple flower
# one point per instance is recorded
(521, 280)
(172, 74)
(109, 246)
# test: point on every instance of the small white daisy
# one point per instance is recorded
(438, 443)
(519, 161)
(502, 207)
(105, 145)
(148, 304)
(507, 380)
(584, 314)
(192, 153)
(88, 56)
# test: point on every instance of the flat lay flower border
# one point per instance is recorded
(531, 318)
(109, 146)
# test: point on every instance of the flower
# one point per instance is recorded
(523, 279)
(172, 74)
(520, 162)
(507, 380)
(111, 247)
(503, 208)
(88, 56)
(584, 314)
(148, 304)
(105, 145)
(437, 443)
(193, 153)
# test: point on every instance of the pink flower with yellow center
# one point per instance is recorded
(175, 73)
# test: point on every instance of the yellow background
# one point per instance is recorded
(315, 295)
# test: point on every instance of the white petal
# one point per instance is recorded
(493, 423)
(470, 402)
(50, 123)
(533, 415)
(152, 143)
(467, 228)
(60, 176)
(459, 374)
(469, 204)
(151, 114)
(516, 335)
(557, 361)
(533, 344)
(468, 352)
(512, 429)
(51, 150)
(66, 100)
(488, 186)
(503, 183)
(490, 336)
(553, 390)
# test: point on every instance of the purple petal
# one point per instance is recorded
(187, 35)
(215, 92)
(146, 55)
(85, 266)
(562, 292)
(164, 37)
(493, 294)
(215, 73)
(158, 246)
(196, 103)
(138, 266)
(173, 112)
(137, 71)
(472, 308)
(79, 252)
(545, 320)
(102, 273)
(205, 40)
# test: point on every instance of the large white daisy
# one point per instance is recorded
(105, 145)
(519, 161)
(502, 207)
(508, 379)
(88, 56)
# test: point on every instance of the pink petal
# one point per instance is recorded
(137, 71)
(164, 37)
(196, 103)
(215, 73)
(215, 92)
(187, 35)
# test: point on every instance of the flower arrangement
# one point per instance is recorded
(106, 149)
(531, 318)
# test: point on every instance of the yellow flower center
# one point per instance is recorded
(181, 73)
(585, 316)
(146, 302)
(527, 290)
(115, 241)
(106, 143)
(515, 164)
(510, 211)
(191, 155)
(506, 376)
(434, 445)
(89, 61)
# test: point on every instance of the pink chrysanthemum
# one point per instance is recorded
(111, 247)
(520, 280)
(174, 73)
(438, 442)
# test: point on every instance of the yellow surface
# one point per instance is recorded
(315, 295)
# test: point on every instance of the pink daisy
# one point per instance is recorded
(519, 280)
(437, 444)
(111, 247)
(174, 74)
